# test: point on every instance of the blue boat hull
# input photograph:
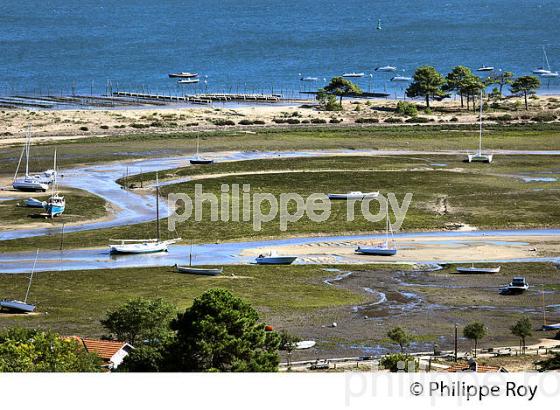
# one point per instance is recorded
(54, 210)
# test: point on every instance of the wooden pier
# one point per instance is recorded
(201, 98)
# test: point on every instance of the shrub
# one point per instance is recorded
(245, 122)
(503, 117)
(544, 117)
(399, 363)
(367, 120)
(335, 120)
(221, 122)
(293, 121)
(119, 126)
(393, 120)
(318, 121)
(84, 129)
(104, 127)
(259, 122)
(454, 119)
(407, 109)
(139, 125)
(417, 120)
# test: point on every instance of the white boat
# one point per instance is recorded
(272, 258)
(545, 72)
(183, 74)
(18, 305)
(28, 182)
(386, 69)
(34, 203)
(550, 74)
(480, 156)
(473, 269)
(189, 81)
(517, 285)
(401, 79)
(310, 79)
(353, 75)
(485, 68)
(199, 271)
(305, 344)
(354, 195)
(138, 246)
(56, 204)
(387, 248)
(198, 160)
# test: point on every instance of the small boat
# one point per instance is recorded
(518, 285)
(379, 24)
(353, 75)
(555, 326)
(199, 271)
(189, 81)
(18, 305)
(34, 203)
(309, 79)
(473, 269)
(272, 259)
(401, 79)
(139, 246)
(354, 195)
(198, 160)
(386, 248)
(541, 71)
(550, 74)
(305, 344)
(485, 68)
(29, 182)
(56, 204)
(545, 72)
(183, 75)
(479, 156)
(386, 69)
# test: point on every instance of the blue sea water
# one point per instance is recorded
(263, 45)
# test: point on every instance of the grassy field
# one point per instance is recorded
(80, 206)
(437, 137)
(486, 196)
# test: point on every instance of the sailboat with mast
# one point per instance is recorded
(56, 204)
(387, 248)
(29, 182)
(198, 160)
(480, 156)
(137, 246)
(545, 72)
(198, 271)
(18, 305)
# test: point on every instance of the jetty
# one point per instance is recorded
(201, 98)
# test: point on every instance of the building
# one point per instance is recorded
(473, 366)
(112, 352)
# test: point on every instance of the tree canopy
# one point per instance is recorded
(525, 85)
(474, 331)
(141, 321)
(522, 329)
(427, 82)
(457, 80)
(26, 350)
(399, 336)
(341, 87)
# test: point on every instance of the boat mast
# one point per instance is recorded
(546, 58)
(543, 307)
(190, 254)
(197, 144)
(31, 277)
(480, 120)
(28, 144)
(157, 207)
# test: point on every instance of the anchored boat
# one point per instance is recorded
(198, 271)
(386, 68)
(30, 182)
(183, 75)
(353, 75)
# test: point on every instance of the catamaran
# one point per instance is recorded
(29, 182)
(198, 160)
(56, 203)
(479, 156)
(135, 246)
(545, 72)
(387, 248)
(18, 305)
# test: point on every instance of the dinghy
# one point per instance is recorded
(354, 195)
(189, 81)
(198, 160)
(34, 203)
(18, 305)
(272, 258)
(473, 269)
(197, 271)
(479, 156)
(386, 248)
(310, 79)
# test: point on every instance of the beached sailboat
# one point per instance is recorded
(198, 160)
(479, 156)
(387, 248)
(138, 246)
(56, 204)
(197, 271)
(473, 269)
(28, 182)
(272, 258)
(358, 195)
(18, 305)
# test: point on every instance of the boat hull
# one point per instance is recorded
(276, 260)
(480, 158)
(478, 270)
(201, 161)
(199, 271)
(376, 251)
(16, 305)
(358, 196)
(34, 203)
(30, 186)
(55, 210)
(138, 248)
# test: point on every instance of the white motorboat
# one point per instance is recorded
(34, 203)
(386, 69)
(272, 258)
(354, 195)
(401, 79)
(56, 204)
(189, 81)
(485, 68)
(310, 79)
(139, 246)
(387, 248)
(18, 305)
(198, 160)
(473, 269)
(480, 156)
(353, 75)
(517, 285)
(183, 74)
(305, 344)
(199, 271)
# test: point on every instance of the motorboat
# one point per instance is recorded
(18, 305)
(310, 79)
(386, 69)
(479, 156)
(484, 68)
(183, 75)
(56, 204)
(34, 203)
(189, 81)
(401, 79)
(387, 248)
(272, 258)
(198, 160)
(473, 269)
(353, 75)
(517, 285)
(354, 195)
